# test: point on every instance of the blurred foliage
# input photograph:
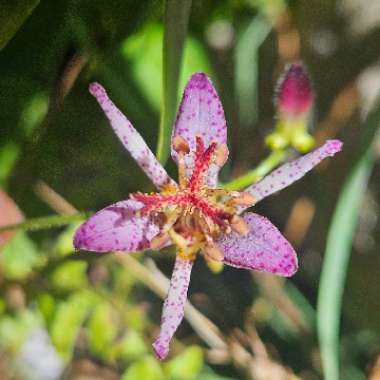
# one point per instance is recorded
(143, 52)
(13, 14)
(95, 308)
(338, 247)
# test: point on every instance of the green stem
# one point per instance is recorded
(44, 222)
(176, 17)
(260, 171)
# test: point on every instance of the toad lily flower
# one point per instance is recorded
(193, 214)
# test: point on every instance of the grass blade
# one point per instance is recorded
(12, 16)
(176, 19)
(246, 72)
(338, 249)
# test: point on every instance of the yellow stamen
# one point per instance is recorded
(244, 199)
(159, 241)
(213, 252)
(191, 215)
(239, 225)
(182, 170)
(179, 240)
(221, 155)
(180, 144)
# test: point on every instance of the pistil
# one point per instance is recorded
(194, 215)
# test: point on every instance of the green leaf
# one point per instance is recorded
(135, 318)
(35, 110)
(131, 347)
(64, 245)
(187, 365)
(70, 275)
(46, 306)
(19, 257)
(338, 249)
(146, 368)
(8, 156)
(246, 68)
(176, 17)
(15, 329)
(12, 16)
(102, 330)
(144, 54)
(68, 320)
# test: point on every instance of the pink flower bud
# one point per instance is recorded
(294, 92)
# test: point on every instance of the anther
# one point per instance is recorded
(244, 199)
(159, 241)
(221, 155)
(239, 225)
(180, 145)
(213, 252)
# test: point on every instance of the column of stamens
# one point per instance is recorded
(202, 161)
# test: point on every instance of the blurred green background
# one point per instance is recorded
(89, 316)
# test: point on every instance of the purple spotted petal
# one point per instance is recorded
(200, 113)
(292, 171)
(116, 228)
(130, 138)
(263, 248)
(174, 305)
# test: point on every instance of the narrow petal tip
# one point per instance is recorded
(161, 350)
(78, 240)
(198, 80)
(291, 269)
(174, 306)
(84, 241)
(333, 146)
(96, 89)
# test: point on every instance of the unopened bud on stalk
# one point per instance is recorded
(294, 103)
(294, 93)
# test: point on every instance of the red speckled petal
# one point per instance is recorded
(292, 171)
(116, 228)
(200, 113)
(263, 248)
(174, 305)
(130, 138)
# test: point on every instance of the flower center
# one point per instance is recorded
(192, 215)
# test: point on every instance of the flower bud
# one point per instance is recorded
(294, 103)
(294, 93)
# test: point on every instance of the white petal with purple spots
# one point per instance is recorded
(263, 248)
(116, 228)
(290, 172)
(200, 113)
(173, 311)
(130, 138)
